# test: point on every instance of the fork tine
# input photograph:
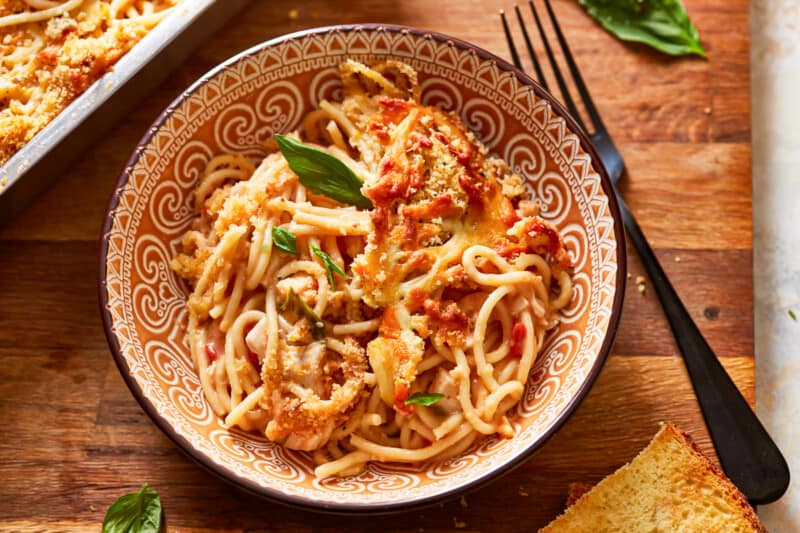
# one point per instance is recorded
(511, 47)
(576, 74)
(536, 65)
(559, 78)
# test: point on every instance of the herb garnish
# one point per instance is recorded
(330, 266)
(293, 302)
(792, 315)
(662, 24)
(283, 239)
(426, 399)
(322, 173)
(137, 512)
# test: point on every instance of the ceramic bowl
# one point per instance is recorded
(268, 89)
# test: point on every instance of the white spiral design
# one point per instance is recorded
(489, 445)
(164, 363)
(177, 338)
(390, 479)
(350, 484)
(575, 241)
(441, 93)
(156, 299)
(235, 129)
(536, 399)
(233, 444)
(485, 118)
(581, 292)
(325, 85)
(188, 399)
(190, 162)
(169, 211)
(278, 108)
(562, 351)
(451, 466)
(555, 196)
(525, 156)
(271, 462)
(540, 367)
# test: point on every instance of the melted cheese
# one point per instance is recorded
(435, 194)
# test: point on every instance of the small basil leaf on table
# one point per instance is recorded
(136, 512)
(662, 24)
(322, 173)
(426, 399)
(330, 266)
(285, 240)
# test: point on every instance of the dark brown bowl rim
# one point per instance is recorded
(363, 508)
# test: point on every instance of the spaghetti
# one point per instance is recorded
(401, 330)
(52, 51)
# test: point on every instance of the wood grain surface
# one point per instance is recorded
(75, 439)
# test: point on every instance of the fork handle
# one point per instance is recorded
(747, 453)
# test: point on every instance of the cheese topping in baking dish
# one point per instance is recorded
(52, 51)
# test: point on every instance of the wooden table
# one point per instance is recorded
(74, 438)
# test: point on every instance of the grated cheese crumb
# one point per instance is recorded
(640, 284)
(522, 491)
(459, 524)
(677, 259)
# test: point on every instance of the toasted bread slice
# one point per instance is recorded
(670, 486)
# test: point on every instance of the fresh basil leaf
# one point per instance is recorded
(330, 266)
(662, 24)
(322, 173)
(283, 239)
(136, 512)
(293, 302)
(421, 398)
(792, 315)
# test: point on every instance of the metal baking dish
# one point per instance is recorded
(111, 97)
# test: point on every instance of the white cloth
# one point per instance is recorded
(775, 78)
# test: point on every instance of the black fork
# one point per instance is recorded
(746, 452)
